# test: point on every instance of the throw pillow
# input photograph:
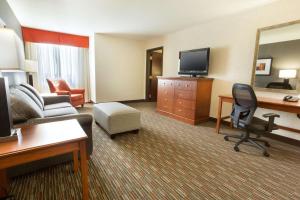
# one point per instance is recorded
(35, 92)
(23, 107)
(31, 95)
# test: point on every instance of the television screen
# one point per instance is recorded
(194, 62)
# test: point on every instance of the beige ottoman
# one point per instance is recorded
(116, 118)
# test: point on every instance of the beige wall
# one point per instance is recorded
(92, 68)
(119, 68)
(232, 42)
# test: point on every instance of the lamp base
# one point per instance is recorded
(30, 79)
(16, 134)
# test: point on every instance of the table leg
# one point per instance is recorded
(75, 161)
(219, 117)
(84, 170)
(4, 185)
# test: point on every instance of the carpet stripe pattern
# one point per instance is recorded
(170, 160)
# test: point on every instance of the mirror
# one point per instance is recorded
(277, 58)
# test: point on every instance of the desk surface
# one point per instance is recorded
(273, 103)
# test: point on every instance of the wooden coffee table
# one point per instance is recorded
(44, 141)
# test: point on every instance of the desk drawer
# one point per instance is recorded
(185, 85)
(185, 94)
(183, 112)
(186, 104)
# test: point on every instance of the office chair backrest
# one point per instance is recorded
(245, 104)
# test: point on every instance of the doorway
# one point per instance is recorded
(154, 68)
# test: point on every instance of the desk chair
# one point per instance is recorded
(242, 117)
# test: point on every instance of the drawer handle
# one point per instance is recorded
(179, 110)
(187, 85)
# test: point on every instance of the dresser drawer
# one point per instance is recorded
(183, 112)
(186, 104)
(165, 104)
(165, 88)
(185, 94)
(185, 85)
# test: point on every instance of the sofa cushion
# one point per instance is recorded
(31, 95)
(23, 107)
(34, 91)
(57, 105)
(60, 112)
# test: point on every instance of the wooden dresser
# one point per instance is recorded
(184, 98)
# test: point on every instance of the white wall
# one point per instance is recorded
(119, 68)
(232, 42)
(92, 68)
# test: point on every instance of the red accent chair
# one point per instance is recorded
(60, 87)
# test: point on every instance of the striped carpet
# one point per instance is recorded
(171, 160)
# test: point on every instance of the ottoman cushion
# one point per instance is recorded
(115, 117)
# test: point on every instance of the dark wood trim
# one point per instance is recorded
(148, 64)
(133, 101)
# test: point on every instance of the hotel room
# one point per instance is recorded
(112, 99)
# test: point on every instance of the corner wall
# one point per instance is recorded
(232, 42)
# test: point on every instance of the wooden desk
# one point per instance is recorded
(263, 102)
(44, 141)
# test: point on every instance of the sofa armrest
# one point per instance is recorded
(85, 121)
(56, 99)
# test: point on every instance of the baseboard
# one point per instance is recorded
(125, 101)
(133, 101)
(272, 136)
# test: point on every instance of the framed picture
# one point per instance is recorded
(263, 67)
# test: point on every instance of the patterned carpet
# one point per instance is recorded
(171, 160)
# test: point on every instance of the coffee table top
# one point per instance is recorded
(44, 135)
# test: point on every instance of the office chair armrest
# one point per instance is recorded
(270, 115)
(271, 124)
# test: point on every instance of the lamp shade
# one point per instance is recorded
(287, 73)
(31, 66)
(11, 50)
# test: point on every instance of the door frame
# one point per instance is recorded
(148, 69)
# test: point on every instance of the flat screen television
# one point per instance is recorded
(194, 62)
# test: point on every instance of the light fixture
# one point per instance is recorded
(31, 66)
(11, 59)
(286, 74)
(11, 50)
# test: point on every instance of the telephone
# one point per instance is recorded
(291, 98)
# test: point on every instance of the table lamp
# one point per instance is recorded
(31, 66)
(286, 74)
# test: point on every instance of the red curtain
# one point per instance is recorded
(42, 36)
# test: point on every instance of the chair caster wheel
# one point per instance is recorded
(226, 138)
(236, 149)
(267, 144)
(112, 137)
(266, 154)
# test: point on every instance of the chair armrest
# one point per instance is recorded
(77, 91)
(56, 99)
(271, 124)
(62, 92)
(270, 115)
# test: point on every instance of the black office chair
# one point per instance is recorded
(242, 117)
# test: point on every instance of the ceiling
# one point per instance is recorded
(139, 18)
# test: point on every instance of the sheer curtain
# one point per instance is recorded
(60, 62)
